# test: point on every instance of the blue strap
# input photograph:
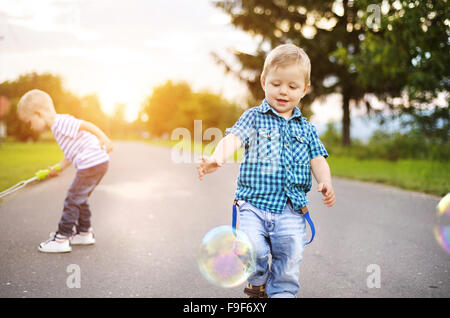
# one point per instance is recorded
(306, 215)
(234, 218)
(311, 225)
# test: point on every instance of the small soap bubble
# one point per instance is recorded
(442, 224)
(443, 206)
(226, 258)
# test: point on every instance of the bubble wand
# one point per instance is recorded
(38, 176)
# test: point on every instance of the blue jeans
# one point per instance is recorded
(76, 210)
(283, 235)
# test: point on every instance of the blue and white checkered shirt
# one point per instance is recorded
(277, 156)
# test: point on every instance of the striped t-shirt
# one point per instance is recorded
(81, 148)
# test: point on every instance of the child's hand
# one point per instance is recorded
(105, 142)
(52, 172)
(207, 165)
(328, 193)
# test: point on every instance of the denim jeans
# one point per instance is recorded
(283, 235)
(76, 210)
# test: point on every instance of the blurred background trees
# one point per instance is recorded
(87, 107)
(411, 49)
(174, 105)
(169, 106)
(396, 51)
(389, 58)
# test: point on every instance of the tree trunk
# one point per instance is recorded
(346, 121)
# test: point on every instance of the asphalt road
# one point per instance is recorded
(150, 214)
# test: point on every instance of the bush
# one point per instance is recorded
(389, 146)
(411, 145)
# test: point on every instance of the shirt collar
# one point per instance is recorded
(265, 107)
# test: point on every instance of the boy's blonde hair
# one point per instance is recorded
(287, 54)
(34, 100)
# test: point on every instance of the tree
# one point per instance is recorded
(405, 62)
(406, 51)
(211, 109)
(15, 89)
(175, 105)
(87, 107)
(162, 107)
(319, 27)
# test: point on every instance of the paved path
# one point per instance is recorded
(150, 215)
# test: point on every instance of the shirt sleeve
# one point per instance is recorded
(68, 126)
(316, 147)
(244, 127)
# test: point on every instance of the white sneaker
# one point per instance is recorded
(56, 244)
(83, 238)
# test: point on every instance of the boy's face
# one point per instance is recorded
(36, 122)
(284, 87)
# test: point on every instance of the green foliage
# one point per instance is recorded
(331, 138)
(406, 54)
(87, 107)
(175, 105)
(16, 127)
(15, 89)
(388, 146)
(288, 21)
(411, 145)
(432, 123)
(408, 58)
(162, 107)
(411, 48)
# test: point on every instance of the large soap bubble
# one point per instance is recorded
(226, 258)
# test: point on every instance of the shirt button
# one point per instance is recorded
(287, 144)
(287, 189)
(287, 167)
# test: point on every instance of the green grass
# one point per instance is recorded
(19, 161)
(418, 175)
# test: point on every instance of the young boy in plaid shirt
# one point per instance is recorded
(281, 150)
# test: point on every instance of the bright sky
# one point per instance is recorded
(120, 50)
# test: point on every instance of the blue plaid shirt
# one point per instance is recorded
(277, 156)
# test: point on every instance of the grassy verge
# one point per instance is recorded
(19, 161)
(419, 175)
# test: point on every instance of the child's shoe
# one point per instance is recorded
(83, 238)
(56, 244)
(256, 291)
